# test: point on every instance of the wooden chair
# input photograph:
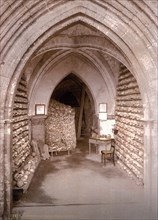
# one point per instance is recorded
(108, 154)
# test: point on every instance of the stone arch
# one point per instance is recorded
(77, 15)
(126, 35)
(102, 68)
(54, 75)
(87, 90)
(69, 92)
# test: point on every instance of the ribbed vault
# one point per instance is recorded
(86, 47)
(120, 21)
(50, 77)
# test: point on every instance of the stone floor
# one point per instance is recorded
(79, 187)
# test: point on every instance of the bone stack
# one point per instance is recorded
(24, 160)
(129, 114)
(60, 127)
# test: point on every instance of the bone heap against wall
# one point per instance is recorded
(24, 159)
(129, 112)
(60, 127)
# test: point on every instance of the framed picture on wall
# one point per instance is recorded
(40, 109)
(102, 107)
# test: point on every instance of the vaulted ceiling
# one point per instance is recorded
(102, 33)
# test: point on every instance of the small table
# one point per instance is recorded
(97, 141)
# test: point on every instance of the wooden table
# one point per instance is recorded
(98, 141)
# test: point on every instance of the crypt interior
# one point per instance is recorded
(72, 73)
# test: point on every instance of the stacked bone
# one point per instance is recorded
(60, 127)
(22, 176)
(24, 163)
(129, 112)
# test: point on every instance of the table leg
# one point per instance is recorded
(101, 157)
(96, 148)
(89, 148)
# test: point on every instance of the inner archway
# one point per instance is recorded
(74, 92)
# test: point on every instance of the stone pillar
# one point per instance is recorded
(8, 169)
(2, 167)
(151, 166)
(38, 128)
(5, 169)
(154, 171)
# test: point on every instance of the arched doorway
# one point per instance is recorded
(70, 92)
(135, 59)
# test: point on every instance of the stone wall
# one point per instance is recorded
(129, 114)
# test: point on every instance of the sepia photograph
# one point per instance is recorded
(78, 109)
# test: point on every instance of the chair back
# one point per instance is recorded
(113, 146)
